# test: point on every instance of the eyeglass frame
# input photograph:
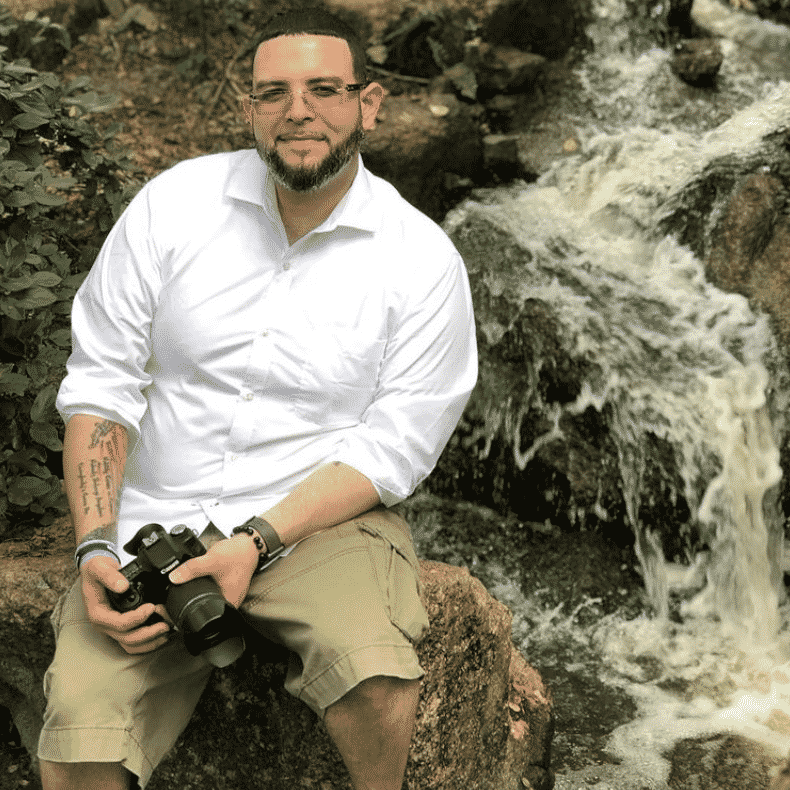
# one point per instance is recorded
(351, 87)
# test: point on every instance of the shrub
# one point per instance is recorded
(61, 188)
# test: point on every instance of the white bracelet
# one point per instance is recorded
(94, 545)
(96, 553)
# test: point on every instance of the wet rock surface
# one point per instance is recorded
(719, 762)
(697, 62)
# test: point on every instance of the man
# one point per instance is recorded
(274, 341)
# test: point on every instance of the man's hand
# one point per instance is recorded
(231, 562)
(100, 574)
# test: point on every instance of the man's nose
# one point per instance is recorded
(299, 107)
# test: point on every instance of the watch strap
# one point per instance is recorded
(274, 546)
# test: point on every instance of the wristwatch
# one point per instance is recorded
(274, 546)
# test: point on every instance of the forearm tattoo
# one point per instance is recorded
(100, 476)
(100, 533)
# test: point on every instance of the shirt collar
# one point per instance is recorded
(251, 182)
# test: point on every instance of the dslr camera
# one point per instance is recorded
(207, 622)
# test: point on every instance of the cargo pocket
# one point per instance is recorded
(396, 570)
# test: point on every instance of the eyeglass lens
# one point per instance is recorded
(318, 97)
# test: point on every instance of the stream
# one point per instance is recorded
(698, 649)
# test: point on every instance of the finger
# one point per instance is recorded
(145, 638)
(164, 614)
(191, 569)
(105, 617)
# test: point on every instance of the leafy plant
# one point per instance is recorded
(61, 188)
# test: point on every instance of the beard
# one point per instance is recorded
(312, 178)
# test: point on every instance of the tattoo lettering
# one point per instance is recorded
(100, 479)
(83, 488)
(95, 469)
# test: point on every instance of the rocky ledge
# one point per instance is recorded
(485, 718)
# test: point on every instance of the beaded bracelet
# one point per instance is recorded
(263, 556)
(256, 526)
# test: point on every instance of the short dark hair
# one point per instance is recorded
(318, 22)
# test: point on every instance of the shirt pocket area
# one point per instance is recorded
(338, 375)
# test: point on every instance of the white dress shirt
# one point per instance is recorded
(239, 364)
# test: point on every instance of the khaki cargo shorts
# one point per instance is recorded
(345, 603)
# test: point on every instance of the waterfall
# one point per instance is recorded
(673, 358)
(676, 357)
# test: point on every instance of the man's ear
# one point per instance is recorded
(371, 98)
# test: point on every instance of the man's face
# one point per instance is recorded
(304, 144)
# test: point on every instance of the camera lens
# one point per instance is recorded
(209, 624)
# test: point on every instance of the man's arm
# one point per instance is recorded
(331, 495)
(94, 458)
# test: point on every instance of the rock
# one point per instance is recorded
(720, 762)
(29, 589)
(471, 665)
(485, 718)
(114, 7)
(423, 44)
(527, 155)
(138, 15)
(767, 43)
(698, 61)
(504, 70)
(750, 251)
(781, 780)
(545, 27)
(415, 147)
(502, 156)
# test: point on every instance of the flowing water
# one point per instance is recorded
(683, 361)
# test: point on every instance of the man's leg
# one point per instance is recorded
(372, 727)
(346, 602)
(80, 776)
(104, 722)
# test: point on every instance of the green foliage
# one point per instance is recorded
(61, 189)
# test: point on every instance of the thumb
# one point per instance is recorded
(103, 573)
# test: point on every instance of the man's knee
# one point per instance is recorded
(78, 776)
(381, 693)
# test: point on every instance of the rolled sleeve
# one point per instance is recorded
(111, 325)
(427, 375)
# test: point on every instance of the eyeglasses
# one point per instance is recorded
(319, 97)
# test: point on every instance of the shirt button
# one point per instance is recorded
(248, 396)
(286, 266)
(265, 333)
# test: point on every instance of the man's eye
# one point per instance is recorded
(324, 91)
(273, 95)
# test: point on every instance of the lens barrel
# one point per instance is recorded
(208, 623)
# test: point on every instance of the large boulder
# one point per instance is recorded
(485, 717)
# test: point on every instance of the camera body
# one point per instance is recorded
(208, 623)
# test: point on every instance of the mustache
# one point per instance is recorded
(318, 137)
